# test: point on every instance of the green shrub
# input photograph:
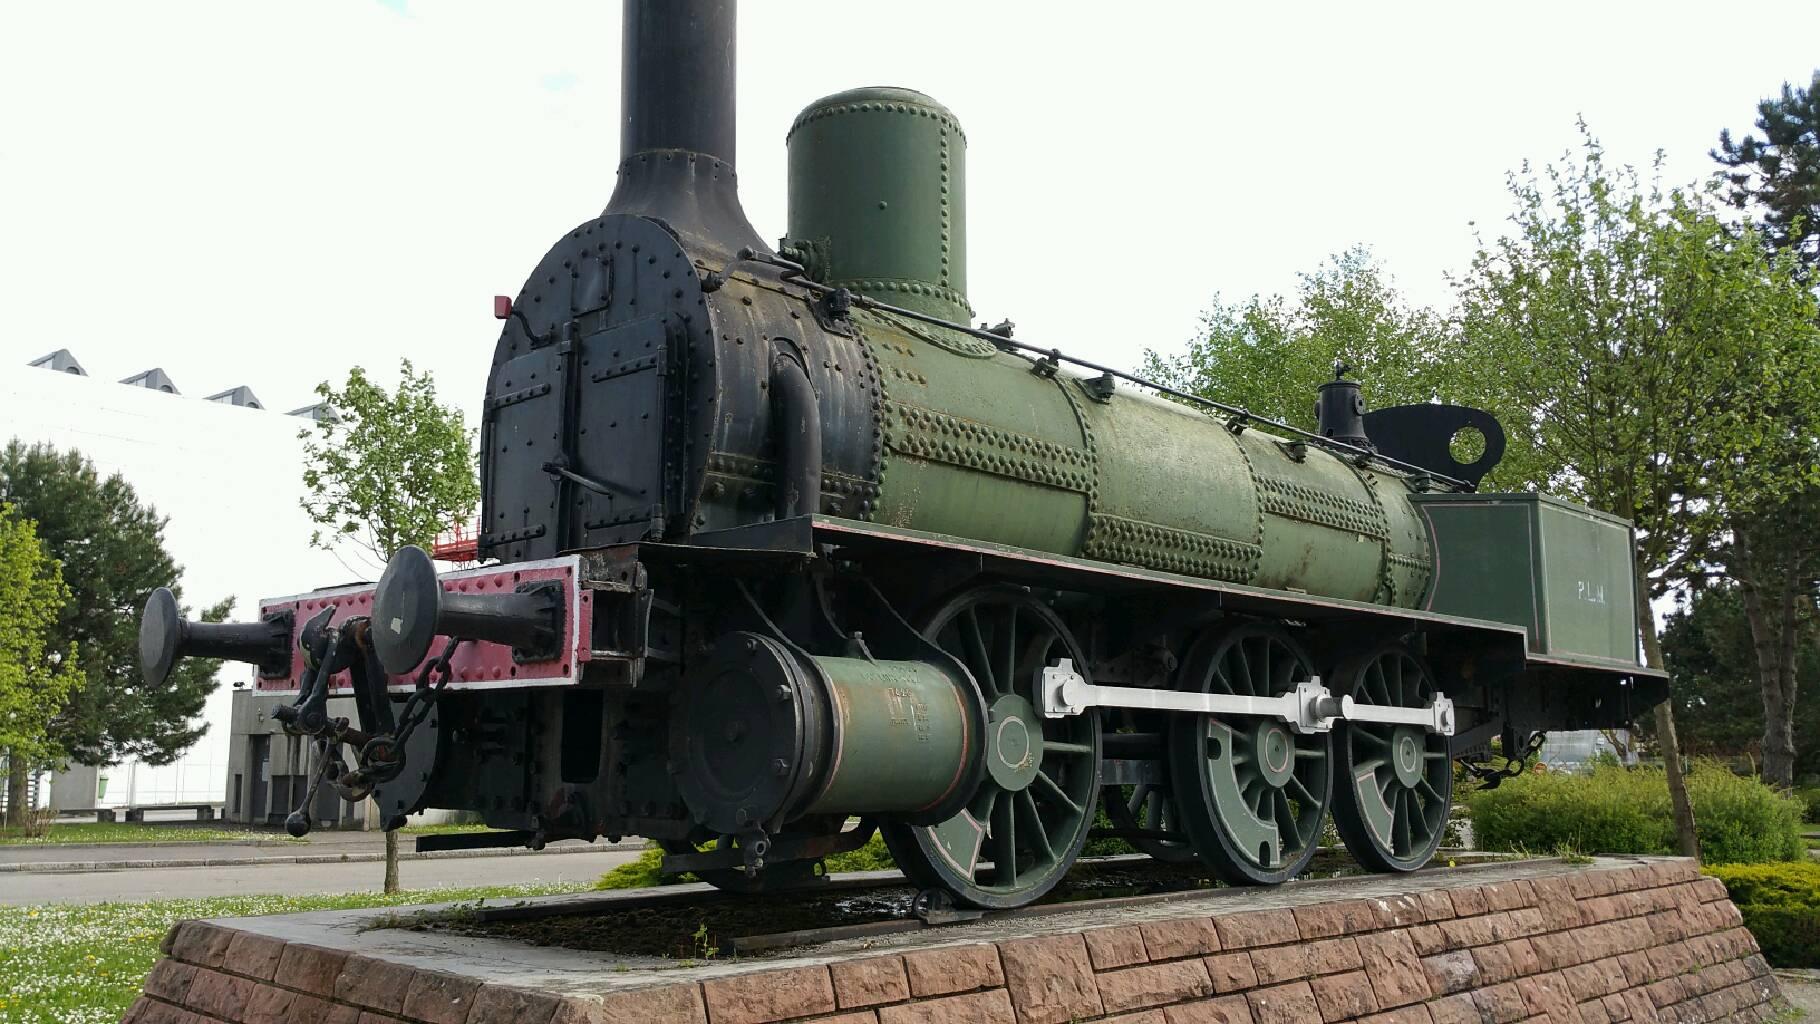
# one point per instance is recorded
(1781, 907)
(1742, 820)
(1626, 810)
(1810, 798)
(871, 857)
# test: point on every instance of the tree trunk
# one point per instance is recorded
(391, 861)
(18, 786)
(1686, 841)
(1771, 606)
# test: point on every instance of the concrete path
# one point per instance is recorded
(154, 883)
(1802, 989)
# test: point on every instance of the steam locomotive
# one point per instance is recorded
(781, 550)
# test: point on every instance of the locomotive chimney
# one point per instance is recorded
(677, 120)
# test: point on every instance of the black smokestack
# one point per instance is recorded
(677, 81)
(678, 120)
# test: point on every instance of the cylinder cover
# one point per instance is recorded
(878, 198)
(762, 734)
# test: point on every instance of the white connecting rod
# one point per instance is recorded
(1307, 708)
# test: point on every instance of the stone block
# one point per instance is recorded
(672, 1004)
(768, 996)
(1428, 939)
(1257, 928)
(1548, 994)
(1221, 1010)
(308, 968)
(1465, 932)
(1050, 979)
(1436, 904)
(438, 998)
(869, 982)
(373, 984)
(1189, 936)
(1395, 970)
(271, 1005)
(1458, 1009)
(1494, 964)
(1451, 972)
(170, 980)
(943, 971)
(219, 994)
(1231, 972)
(1283, 1004)
(1344, 996)
(201, 943)
(1115, 947)
(499, 1004)
(1135, 988)
(1500, 1004)
(1509, 896)
(253, 955)
(1401, 1015)
(989, 1007)
(1468, 900)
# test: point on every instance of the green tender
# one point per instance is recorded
(1558, 569)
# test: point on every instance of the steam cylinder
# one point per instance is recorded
(762, 735)
(878, 198)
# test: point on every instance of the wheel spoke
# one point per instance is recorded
(1066, 747)
(1244, 676)
(1004, 842)
(1034, 818)
(1011, 649)
(981, 662)
(984, 801)
(1286, 819)
(1056, 792)
(1301, 789)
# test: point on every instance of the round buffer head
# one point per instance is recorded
(406, 606)
(161, 631)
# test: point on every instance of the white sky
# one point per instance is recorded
(266, 194)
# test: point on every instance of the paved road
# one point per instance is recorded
(175, 883)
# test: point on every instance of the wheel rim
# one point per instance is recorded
(1252, 792)
(1027, 821)
(1397, 780)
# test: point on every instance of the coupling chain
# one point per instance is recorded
(1491, 778)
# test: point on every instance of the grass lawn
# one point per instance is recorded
(67, 964)
(444, 829)
(130, 832)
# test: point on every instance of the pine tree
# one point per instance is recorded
(1779, 173)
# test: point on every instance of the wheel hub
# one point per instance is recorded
(1407, 746)
(1275, 750)
(1014, 742)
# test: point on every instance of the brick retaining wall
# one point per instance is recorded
(1651, 942)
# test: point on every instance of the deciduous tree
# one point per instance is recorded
(36, 677)
(1633, 334)
(1271, 353)
(389, 469)
(111, 549)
